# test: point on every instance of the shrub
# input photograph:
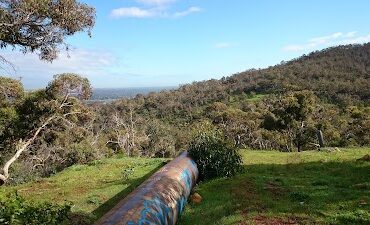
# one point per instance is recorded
(81, 153)
(15, 210)
(299, 197)
(214, 156)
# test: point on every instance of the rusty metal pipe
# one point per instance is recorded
(160, 200)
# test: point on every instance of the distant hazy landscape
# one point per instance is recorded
(106, 94)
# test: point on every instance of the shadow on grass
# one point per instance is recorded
(79, 218)
(299, 193)
(104, 208)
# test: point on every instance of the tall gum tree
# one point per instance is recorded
(41, 26)
(62, 93)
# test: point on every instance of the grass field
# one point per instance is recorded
(274, 188)
(92, 189)
(288, 188)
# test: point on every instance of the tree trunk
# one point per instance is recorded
(22, 147)
(320, 137)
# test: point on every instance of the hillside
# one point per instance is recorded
(280, 107)
(315, 101)
(338, 75)
(284, 144)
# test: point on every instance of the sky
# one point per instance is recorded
(152, 43)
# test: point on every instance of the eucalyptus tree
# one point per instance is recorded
(42, 26)
(58, 104)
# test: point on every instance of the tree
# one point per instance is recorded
(42, 25)
(161, 141)
(291, 114)
(124, 132)
(10, 89)
(359, 126)
(61, 101)
(11, 92)
(69, 84)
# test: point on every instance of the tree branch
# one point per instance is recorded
(22, 147)
(6, 62)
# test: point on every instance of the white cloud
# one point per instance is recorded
(187, 12)
(136, 12)
(325, 39)
(37, 73)
(338, 38)
(357, 40)
(351, 34)
(156, 2)
(157, 8)
(132, 12)
(221, 45)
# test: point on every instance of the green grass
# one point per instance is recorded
(93, 189)
(234, 101)
(255, 98)
(288, 188)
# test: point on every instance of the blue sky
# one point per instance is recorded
(143, 43)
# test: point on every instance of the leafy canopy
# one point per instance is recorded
(42, 25)
(68, 85)
(214, 156)
(10, 89)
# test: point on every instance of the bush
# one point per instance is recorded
(14, 210)
(214, 156)
(81, 153)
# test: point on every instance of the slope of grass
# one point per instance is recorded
(255, 98)
(92, 189)
(288, 188)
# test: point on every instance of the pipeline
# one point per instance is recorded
(160, 200)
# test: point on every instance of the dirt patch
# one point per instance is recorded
(263, 220)
(247, 196)
(39, 187)
(365, 158)
(275, 189)
(250, 200)
(245, 190)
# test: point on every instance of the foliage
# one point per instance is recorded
(214, 156)
(359, 124)
(291, 114)
(42, 25)
(282, 107)
(69, 84)
(10, 90)
(64, 126)
(16, 210)
(11, 93)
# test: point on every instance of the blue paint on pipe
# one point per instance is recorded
(160, 200)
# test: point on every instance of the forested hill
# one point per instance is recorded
(340, 75)
(280, 107)
(333, 73)
(283, 107)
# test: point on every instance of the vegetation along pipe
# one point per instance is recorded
(160, 199)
